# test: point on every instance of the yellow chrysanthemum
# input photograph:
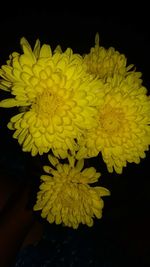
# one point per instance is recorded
(66, 197)
(104, 63)
(56, 96)
(122, 133)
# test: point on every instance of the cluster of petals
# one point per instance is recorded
(122, 133)
(104, 63)
(56, 98)
(77, 105)
(65, 195)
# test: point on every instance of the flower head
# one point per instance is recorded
(104, 63)
(66, 197)
(122, 133)
(55, 95)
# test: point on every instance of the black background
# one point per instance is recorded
(126, 216)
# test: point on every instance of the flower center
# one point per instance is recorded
(69, 197)
(47, 103)
(111, 119)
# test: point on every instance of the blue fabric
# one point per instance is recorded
(70, 248)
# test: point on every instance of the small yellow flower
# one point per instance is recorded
(104, 63)
(65, 195)
(122, 133)
(55, 95)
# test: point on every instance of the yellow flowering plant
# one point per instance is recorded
(74, 107)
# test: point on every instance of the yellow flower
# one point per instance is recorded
(65, 195)
(104, 63)
(55, 95)
(122, 133)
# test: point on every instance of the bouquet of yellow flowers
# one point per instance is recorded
(75, 107)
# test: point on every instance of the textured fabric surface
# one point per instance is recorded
(65, 247)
